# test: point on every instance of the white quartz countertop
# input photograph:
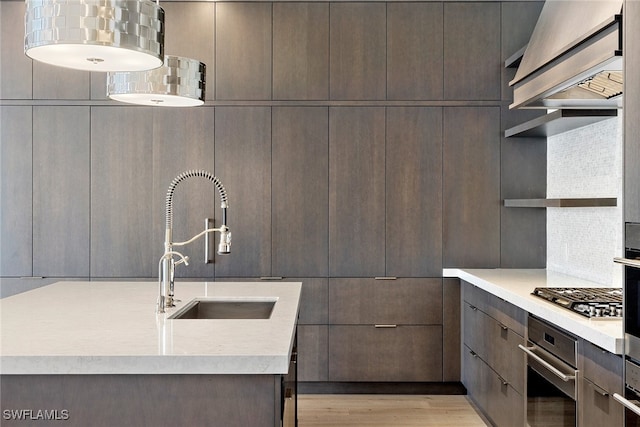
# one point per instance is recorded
(516, 285)
(112, 328)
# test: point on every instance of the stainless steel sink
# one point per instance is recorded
(201, 308)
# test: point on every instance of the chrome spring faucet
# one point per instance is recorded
(167, 262)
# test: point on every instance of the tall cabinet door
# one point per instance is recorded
(243, 164)
(471, 200)
(414, 192)
(61, 193)
(356, 191)
(183, 140)
(121, 193)
(15, 67)
(300, 191)
(16, 186)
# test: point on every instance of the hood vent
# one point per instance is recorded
(574, 57)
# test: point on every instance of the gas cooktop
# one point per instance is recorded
(590, 302)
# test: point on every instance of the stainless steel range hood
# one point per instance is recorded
(574, 57)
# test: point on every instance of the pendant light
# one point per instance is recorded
(180, 82)
(95, 35)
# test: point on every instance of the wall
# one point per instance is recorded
(586, 162)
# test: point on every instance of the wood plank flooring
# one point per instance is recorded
(349, 410)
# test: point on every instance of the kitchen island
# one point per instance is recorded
(97, 353)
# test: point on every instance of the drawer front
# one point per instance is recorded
(367, 353)
(597, 407)
(601, 367)
(400, 301)
(498, 401)
(496, 344)
(313, 343)
(504, 312)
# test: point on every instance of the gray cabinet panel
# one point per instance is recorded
(314, 300)
(414, 51)
(121, 193)
(451, 330)
(243, 164)
(366, 353)
(471, 187)
(313, 362)
(243, 51)
(356, 191)
(300, 50)
(61, 191)
(15, 67)
(15, 190)
(300, 191)
(472, 60)
(358, 51)
(370, 301)
(414, 192)
(51, 82)
(631, 113)
(183, 140)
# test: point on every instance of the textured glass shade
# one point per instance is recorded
(95, 35)
(180, 82)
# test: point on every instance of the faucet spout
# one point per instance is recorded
(167, 263)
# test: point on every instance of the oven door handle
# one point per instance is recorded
(628, 262)
(564, 377)
(627, 403)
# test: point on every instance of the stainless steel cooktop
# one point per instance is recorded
(590, 302)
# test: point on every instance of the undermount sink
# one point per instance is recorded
(201, 308)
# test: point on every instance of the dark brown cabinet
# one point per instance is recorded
(493, 368)
(16, 185)
(385, 330)
(243, 164)
(121, 196)
(357, 51)
(300, 191)
(61, 194)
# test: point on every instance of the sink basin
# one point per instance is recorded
(225, 309)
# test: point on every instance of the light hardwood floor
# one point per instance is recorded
(386, 410)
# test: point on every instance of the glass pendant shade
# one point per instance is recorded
(180, 82)
(95, 35)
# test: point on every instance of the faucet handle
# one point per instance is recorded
(183, 260)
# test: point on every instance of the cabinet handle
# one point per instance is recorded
(381, 326)
(503, 327)
(602, 392)
(628, 262)
(473, 307)
(627, 403)
(208, 223)
(473, 353)
(271, 278)
(385, 278)
(503, 381)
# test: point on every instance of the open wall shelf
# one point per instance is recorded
(558, 122)
(561, 203)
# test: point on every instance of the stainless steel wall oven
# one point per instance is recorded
(551, 375)
(631, 261)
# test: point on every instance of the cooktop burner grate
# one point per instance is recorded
(590, 302)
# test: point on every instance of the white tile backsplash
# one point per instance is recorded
(586, 162)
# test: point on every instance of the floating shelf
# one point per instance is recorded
(561, 203)
(514, 60)
(558, 122)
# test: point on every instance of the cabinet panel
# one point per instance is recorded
(51, 82)
(314, 300)
(597, 406)
(415, 51)
(366, 353)
(472, 50)
(313, 343)
(451, 331)
(183, 140)
(243, 51)
(15, 67)
(414, 192)
(356, 191)
(121, 200)
(504, 312)
(370, 301)
(358, 51)
(243, 164)
(631, 112)
(16, 201)
(300, 191)
(601, 367)
(61, 191)
(471, 187)
(300, 50)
